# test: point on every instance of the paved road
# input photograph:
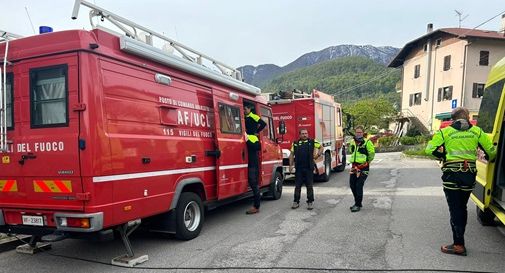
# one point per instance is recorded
(401, 226)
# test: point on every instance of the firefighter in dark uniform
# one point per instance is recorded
(457, 146)
(362, 153)
(253, 124)
(303, 152)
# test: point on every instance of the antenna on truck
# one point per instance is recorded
(136, 32)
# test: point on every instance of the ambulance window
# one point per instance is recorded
(49, 97)
(489, 106)
(229, 119)
(9, 101)
(266, 116)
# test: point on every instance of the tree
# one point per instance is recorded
(372, 111)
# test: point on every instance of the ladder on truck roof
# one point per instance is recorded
(5, 37)
(139, 40)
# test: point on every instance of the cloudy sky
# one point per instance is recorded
(265, 31)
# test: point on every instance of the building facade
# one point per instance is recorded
(444, 69)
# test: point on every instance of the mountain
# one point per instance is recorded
(259, 75)
(348, 78)
(262, 74)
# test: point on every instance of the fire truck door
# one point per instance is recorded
(48, 147)
(269, 150)
(231, 163)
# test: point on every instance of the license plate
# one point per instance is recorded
(33, 220)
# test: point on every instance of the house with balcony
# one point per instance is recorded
(444, 69)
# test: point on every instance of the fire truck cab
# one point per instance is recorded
(321, 116)
(100, 131)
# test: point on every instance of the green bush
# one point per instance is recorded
(414, 131)
(413, 140)
(422, 139)
(386, 141)
(407, 140)
(418, 151)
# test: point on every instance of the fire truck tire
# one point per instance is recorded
(341, 167)
(189, 216)
(325, 177)
(275, 191)
(486, 217)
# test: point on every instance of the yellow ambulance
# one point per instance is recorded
(489, 191)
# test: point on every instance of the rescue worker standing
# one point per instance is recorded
(303, 152)
(457, 146)
(253, 124)
(362, 153)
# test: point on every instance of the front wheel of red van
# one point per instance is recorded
(275, 191)
(189, 216)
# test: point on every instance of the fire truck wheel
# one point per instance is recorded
(486, 217)
(341, 167)
(189, 216)
(275, 191)
(325, 177)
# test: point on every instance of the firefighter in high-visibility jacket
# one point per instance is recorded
(457, 146)
(254, 124)
(362, 153)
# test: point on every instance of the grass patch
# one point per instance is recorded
(418, 151)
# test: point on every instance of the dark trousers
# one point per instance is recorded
(252, 176)
(357, 184)
(457, 200)
(304, 176)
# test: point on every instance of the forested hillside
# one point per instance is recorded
(348, 78)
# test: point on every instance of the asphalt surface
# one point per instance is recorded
(401, 227)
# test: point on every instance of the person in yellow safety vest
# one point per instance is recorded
(254, 124)
(457, 146)
(362, 153)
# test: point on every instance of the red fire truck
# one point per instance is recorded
(321, 116)
(102, 130)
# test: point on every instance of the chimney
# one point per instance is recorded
(429, 28)
(502, 27)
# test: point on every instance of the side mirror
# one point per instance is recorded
(282, 127)
(350, 124)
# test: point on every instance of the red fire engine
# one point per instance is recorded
(321, 116)
(101, 130)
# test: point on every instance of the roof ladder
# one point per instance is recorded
(133, 30)
(5, 37)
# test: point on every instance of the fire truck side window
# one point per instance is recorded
(229, 119)
(266, 116)
(9, 101)
(49, 96)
